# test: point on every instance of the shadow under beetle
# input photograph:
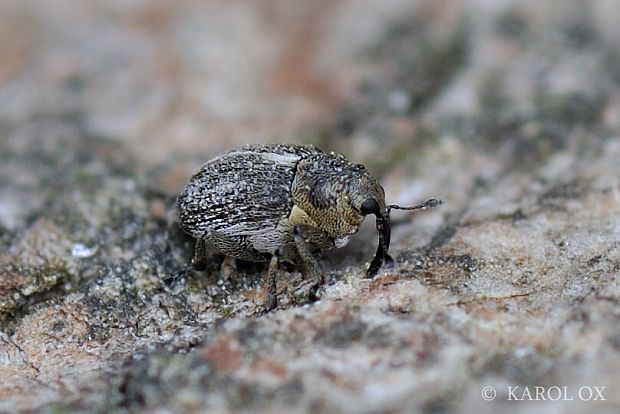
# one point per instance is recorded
(278, 202)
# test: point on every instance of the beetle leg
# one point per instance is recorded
(272, 288)
(311, 264)
(228, 267)
(198, 262)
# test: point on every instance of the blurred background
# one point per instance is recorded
(509, 110)
(183, 80)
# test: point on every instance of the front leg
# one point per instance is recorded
(303, 236)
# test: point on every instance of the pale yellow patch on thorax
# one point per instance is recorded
(299, 216)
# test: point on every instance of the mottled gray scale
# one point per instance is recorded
(241, 246)
(241, 193)
(328, 177)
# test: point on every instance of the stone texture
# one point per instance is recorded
(509, 111)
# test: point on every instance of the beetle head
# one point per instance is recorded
(337, 195)
(368, 197)
(373, 206)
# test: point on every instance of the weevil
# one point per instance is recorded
(283, 203)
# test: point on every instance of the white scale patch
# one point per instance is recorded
(342, 241)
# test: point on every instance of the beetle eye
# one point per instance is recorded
(370, 206)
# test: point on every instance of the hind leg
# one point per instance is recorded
(199, 260)
(272, 287)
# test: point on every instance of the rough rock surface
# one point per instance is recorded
(508, 110)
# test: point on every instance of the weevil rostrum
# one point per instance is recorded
(283, 203)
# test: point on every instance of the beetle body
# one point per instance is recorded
(246, 202)
(281, 203)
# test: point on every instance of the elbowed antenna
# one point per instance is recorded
(384, 230)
